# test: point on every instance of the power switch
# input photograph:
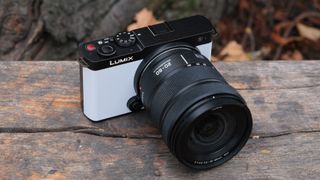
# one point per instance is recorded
(160, 29)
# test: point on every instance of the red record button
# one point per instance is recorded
(90, 47)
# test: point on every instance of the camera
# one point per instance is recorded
(165, 70)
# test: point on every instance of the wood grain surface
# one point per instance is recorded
(43, 133)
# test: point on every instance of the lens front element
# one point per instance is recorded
(209, 128)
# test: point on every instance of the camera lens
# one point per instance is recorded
(203, 120)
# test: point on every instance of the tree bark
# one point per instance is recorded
(51, 30)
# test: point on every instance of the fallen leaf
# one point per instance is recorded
(295, 55)
(280, 15)
(244, 5)
(279, 39)
(276, 37)
(214, 59)
(143, 18)
(308, 32)
(233, 52)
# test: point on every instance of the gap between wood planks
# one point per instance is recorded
(277, 88)
(100, 132)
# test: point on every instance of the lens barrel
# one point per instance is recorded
(203, 120)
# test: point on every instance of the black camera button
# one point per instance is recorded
(135, 104)
(108, 39)
(106, 50)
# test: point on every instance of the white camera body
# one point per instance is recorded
(108, 65)
(105, 92)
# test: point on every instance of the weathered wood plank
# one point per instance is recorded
(44, 96)
(274, 75)
(43, 133)
(70, 155)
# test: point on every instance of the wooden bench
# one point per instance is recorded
(43, 133)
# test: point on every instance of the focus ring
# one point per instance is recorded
(171, 87)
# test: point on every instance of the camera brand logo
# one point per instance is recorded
(120, 61)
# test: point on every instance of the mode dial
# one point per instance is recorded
(125, 39)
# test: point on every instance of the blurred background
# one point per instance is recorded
(249, 29)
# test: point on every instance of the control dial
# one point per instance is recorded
(125, 39)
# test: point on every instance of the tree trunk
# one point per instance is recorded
(51, 30)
